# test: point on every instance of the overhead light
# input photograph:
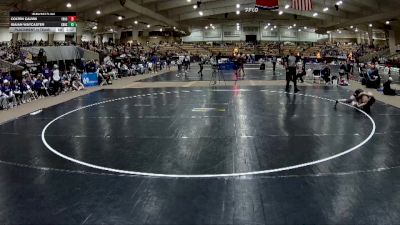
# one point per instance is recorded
(119, 17)
(275, 26)
(161, 29)
(290, 27)
(387, 22)
(315, 14)
(95, 28)
(174, 28)
(237, 12)
(340, 31)
(194, 6)
(325, 9)
(280, 12)
(148, 26)
(328, 32)
(135, 22)
(188, 0)
(237, 24)
(272, 29)
(294, 25)
(206, 27)
(356, 30)
(237, 6)
(305, 28)
(339, 2)
(351, 27)
(287, 6)
(370, 25)
(211, 24)
(201, 13)
(111, 30)
(69, 5)
(237, 28)
(98, 12)
(299, 30)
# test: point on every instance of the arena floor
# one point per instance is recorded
(209, 155)
(252, 72)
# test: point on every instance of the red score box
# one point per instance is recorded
(71, 18)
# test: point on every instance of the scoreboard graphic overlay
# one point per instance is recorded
(57, 22)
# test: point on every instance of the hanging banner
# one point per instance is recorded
(267, 4)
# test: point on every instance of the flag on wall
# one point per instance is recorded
(302, 5)
(267, 4)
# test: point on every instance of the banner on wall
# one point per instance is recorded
(89, 79)
(267, 4)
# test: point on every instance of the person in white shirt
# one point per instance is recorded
(3, 100)
(57, 80)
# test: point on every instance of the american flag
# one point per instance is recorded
(302, 5)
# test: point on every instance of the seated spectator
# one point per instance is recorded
(76, 82)
(387, 89)
(342, 71)
(28, 93)
(16, 88)
(373, 79)
(3, 100)
(9, 94)
(326, 74)
(301, 73)
(66, 81)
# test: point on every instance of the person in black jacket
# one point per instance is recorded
(387, 90)
(326, 74)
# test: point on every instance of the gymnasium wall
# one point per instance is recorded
(230, 33)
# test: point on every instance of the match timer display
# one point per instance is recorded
(57, 22)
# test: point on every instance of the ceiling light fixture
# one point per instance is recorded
(315, 14)
(136, 22)
(237, 12)
(98, 12)
(280, 12)
(69, 5)
(237, 6)
(287, 6)
(201, 13)
(194, 6)
(325, 9)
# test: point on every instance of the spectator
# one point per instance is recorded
(373, 78)
(387, 89)
(8, 93)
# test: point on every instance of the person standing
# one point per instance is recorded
(57, 80)
(291, 65)
(201, 64)
(274, 60)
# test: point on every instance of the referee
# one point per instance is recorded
(291, 65)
